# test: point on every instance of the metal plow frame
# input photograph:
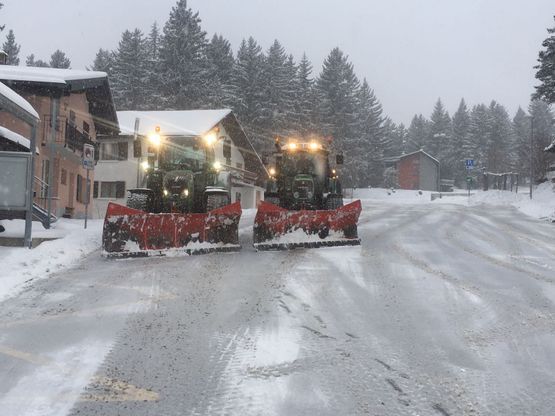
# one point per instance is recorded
(272, 221)
(128, 232)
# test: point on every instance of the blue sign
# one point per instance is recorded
(469, 163)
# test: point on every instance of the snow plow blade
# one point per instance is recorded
(130, 232)
(276, 228)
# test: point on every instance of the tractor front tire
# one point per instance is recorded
(216, 200)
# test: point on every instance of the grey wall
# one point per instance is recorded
(429, 174)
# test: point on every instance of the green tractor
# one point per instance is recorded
(301, 178)
(182, 176)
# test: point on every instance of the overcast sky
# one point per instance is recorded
(410, 51)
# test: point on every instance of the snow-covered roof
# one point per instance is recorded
(551, 147)
(16, 138)
(171, 123)
(46, 75)
(420, 151)
(18, 100)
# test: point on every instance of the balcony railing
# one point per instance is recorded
(74, 139)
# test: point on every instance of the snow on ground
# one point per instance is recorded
(21, 265)
(542, 206)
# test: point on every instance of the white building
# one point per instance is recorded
(119, 169)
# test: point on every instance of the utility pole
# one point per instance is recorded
(531, 153)
(52, 157)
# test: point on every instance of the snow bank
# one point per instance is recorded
(396, 196)
(542, 205)
(21, 265)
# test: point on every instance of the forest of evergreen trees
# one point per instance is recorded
(179, 67)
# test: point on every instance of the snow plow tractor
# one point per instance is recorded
(184, 206)
(303, 201)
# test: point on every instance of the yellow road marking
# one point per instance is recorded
(118, 391)
(25, 356)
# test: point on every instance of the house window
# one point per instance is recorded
(114, 151)
(86, 128)
(112, 190)
(72, 117)
(63, 177)
(95, 189)
(237, 196)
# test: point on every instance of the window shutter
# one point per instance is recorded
(95, 189)
(122, 150)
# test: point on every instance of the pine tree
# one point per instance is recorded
(246, 89)
(59, 60)
(479, 135)
(12, 49)
(304, 98)
(521, 133)
(370, 143)
(543, 133)
(417, 134)
(129, 73)
(500, 143)
(439, 141)
(152, 85)
(277, 103)
(546, 70)
(30, 61)
(183, 62)
(220, 67)
(337, 87)
(461, 147)
(103, 62)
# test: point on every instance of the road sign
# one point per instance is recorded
(88, 156)
(469, 163)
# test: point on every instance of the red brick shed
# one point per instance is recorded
(417, 170)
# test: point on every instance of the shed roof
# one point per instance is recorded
(16, 138)
(172, 123)
(16, 99)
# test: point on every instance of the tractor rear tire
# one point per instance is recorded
(216, 200)
(334, 202)
(272, 200)
(138, 201)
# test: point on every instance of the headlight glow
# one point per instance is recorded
(166, 192)
(186, 192)
(210, 138)
(314, 146)
(155, 139)
(217, 165)
(292, 146)
(272, 172)
(145, 165)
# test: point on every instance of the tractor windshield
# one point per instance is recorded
(183, 154)
(305, 162)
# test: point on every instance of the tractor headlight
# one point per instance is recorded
(145, 165)
(210, 138)
(217, 165)
(272, 172)
(310, 195)
(166, 192)
(186, 192)
(296, 195)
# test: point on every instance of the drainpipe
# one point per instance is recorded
(53, 122)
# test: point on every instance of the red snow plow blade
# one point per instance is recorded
(276, 228)
(130, 232)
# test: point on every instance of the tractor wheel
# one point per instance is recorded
(272, 200)
(137, 201)
(216, 200)
(334, 202)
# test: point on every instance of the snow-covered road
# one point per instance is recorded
(443, 310)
